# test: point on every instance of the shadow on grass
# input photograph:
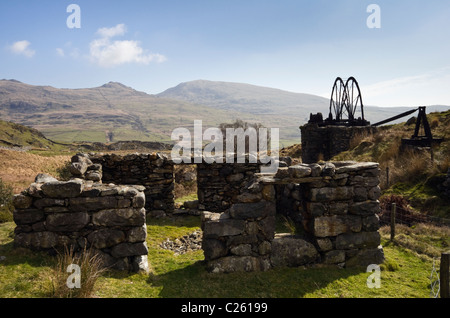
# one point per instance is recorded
(18, 255)
(194, 281)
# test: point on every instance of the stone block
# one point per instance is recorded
(366, 257)
(282, 173)
(338, 208)
(213, 249)
(67, 222)
(105, 238)
(357, 167)
(268, 193)
(235, 177)
(299, 171)
(44, 178)
(362, 240)
(232, 264)
(27, 216)
(139, 264)
(374, 193)
(247, 197)
(223, 227)
(92, 203)
(241, 250)
(326, 226)
(63, 189)
(266, 228)
(360, 194)
(265, 248)
(315, 209)
(129, 249)
(119, 217)
(48, 202)
(371, 223)
(21, 201)
(137, 234)
(252, 210)
(331, 194)
(365, 208)
(333, 257)
(324, 244)
(291, 251)
(329, 170)
(39, 240)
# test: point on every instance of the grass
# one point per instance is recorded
(18, 169)
(405, 273)
(415, 174)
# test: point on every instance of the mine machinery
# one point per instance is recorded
(425, 140)
(346, 103)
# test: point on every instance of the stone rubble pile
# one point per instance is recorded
(184, 244)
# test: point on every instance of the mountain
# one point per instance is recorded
(274, 107)
(111, 112)
(16, 135)
(245, 98)
(115, 112)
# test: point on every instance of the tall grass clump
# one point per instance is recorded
(91, 267)
(6, 206)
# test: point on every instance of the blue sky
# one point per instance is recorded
(294, 45)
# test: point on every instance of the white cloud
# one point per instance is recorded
(22, 48)
(118, 30)
(60, 52)
(430, 88)
(108, 53)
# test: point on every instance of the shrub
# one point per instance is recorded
(63, 171)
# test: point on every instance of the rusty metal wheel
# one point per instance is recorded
(337, 100)
(353, 99)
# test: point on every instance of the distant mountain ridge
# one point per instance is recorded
(108, 113)
(244, 97)
(115, 112)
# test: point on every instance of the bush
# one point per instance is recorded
(63, 172)
(6, 206)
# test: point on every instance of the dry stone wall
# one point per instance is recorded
(219, 185)
(79, 214)
(152, 171)
(337, 203)
(323, 143)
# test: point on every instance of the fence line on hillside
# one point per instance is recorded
(439, 283)
(409, 218)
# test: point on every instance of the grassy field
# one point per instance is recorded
(405, 273)
(18, 168)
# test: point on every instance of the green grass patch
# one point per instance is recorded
(404, 274)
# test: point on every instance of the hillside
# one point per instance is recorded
(294, 107)
(418, 174)
(115, 112)
(111, 112)
(16, 135)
